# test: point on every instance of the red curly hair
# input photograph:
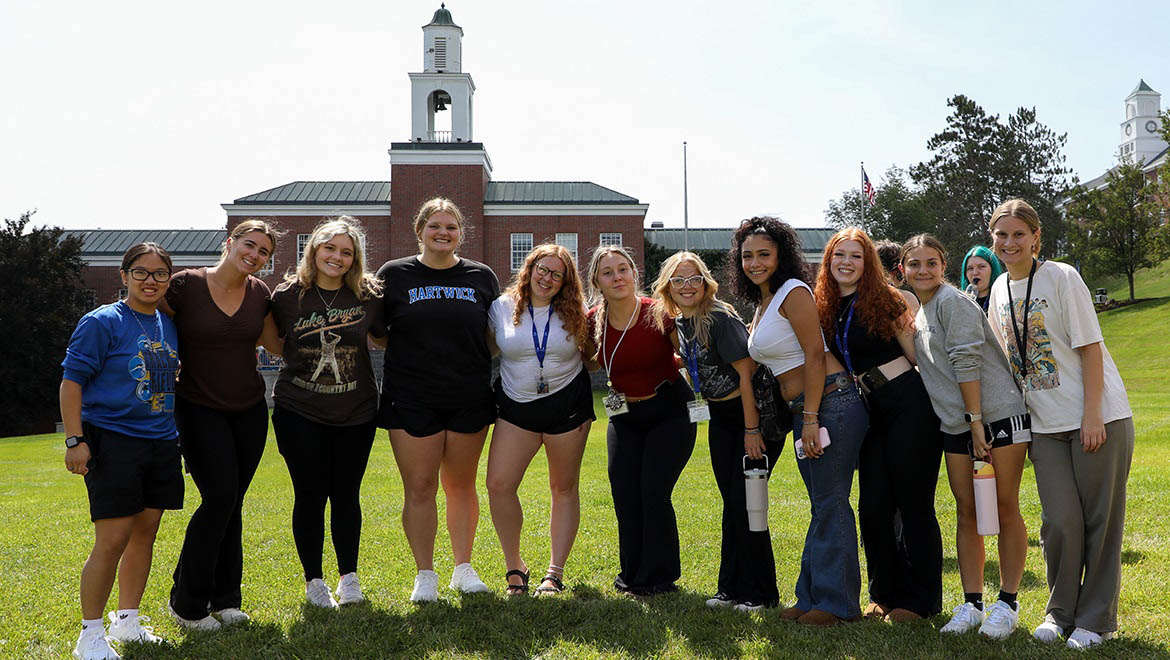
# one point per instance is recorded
(879, 306)
(569, 303)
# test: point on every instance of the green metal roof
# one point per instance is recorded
(323, 192)
(442, 17)
(96, 242)
(552, 192)
(812, 240)
(1142, 87)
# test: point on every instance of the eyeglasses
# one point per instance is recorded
(542, 270)
(140, 274)
(680, 282)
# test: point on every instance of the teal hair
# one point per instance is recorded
(985, 254)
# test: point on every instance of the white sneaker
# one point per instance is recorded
(318, 594)
(426, 587)
(207, 623)
(746, 606)
(126, 628)
(1000, 620)
(720, 599)
(1082, 639)
(464, 579)
(349, 590)
(966, 617)
(232, 615)
(94, 646)
(1048, 632)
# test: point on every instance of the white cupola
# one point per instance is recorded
(442, 86)
(1140, 137)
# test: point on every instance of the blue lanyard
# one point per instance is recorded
(541, 347)
(843, 344)
(692, 358)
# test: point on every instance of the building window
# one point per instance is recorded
(122, 293)
(521, 246)
(269, 267)
(302, 243)
(91, 300)
(611, 238)
(569, 242)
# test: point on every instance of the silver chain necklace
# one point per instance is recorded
(144, 332)
(329, 304)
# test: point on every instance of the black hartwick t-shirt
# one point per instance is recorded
(437, 353)
(327, 376)
(726, 343)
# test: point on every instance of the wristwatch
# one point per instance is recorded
(971, 417)
(73, 440)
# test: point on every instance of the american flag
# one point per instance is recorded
(867, 189)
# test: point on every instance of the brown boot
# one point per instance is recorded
(791, 613)
(819, 618)
(901, 615)
(875, 611)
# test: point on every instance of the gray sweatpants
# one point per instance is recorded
(1082, 497)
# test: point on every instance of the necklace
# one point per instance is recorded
(329, 304)
(149, 338)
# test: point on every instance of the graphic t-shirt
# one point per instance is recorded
(1061, 319)
(437, 352)
(126, 364)
(327, 375)
(726, 343)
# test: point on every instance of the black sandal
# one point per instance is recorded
(516, 589)
(558, 588)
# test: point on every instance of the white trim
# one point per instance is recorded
(566, 209)
(185, 261)
(440, 157)
(323, 211)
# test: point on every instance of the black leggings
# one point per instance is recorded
(648, 448)
(747, 568)
(898, 472)
(222, 451)
(326, 463)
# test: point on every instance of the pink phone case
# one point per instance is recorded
(823, 437)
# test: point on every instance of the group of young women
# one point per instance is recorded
(855, 360)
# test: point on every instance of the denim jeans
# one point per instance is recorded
(830, 576)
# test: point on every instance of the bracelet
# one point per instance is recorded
(751, 428)
(809, 421)
(806, 412)
(755, 431)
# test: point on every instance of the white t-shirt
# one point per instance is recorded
(1061, 320)
(519, 369)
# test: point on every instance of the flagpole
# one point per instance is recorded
(686, 216)
(863, 193)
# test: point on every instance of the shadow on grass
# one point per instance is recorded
(1131, 557)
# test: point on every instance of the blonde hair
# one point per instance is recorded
(438, 205)
(595, 295)
(665, 307)
(250, 225)
(569, 303)
(363, 284)
(1021, 210)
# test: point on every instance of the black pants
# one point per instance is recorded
(222, 451)
(898, 472)
(648, 448)
(747, 568)
(326, 463)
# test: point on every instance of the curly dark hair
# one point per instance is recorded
(788, 252)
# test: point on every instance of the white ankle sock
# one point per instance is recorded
(126, 614)
(92, 627)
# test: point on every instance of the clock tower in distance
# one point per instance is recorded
(1140, 137)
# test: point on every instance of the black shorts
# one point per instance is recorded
(1000, 433)
(127, 474)
(421, 420)
(559, 412)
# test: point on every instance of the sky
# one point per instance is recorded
(150, 115)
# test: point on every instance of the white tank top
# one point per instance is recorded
(773, 341)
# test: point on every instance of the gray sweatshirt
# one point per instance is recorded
(955, 345)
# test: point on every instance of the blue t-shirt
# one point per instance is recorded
(126, 364)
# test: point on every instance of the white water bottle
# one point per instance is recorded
(986, 508)
(973, 290)
(755, 484)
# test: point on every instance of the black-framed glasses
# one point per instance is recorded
(542, 270)
(140, 274)
(680, 282)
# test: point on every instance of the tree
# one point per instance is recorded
(1115, 229)
(898, 211)
(40, 284)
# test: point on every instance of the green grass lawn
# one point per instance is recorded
(1148, 283)
(45, 536)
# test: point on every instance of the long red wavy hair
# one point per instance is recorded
(569, 303)
(879, 306)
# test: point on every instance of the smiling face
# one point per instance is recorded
(144, 295)
(616, 277)
(924, 269)
(846, 265)
(440, 234)
(687, 286)
(1014, 242)
(248, 253)
(759, 258)
(979, 274)
(546, 279)
(333, 260)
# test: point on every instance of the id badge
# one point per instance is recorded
(698, 411)
(615, 403)
(541, 386)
